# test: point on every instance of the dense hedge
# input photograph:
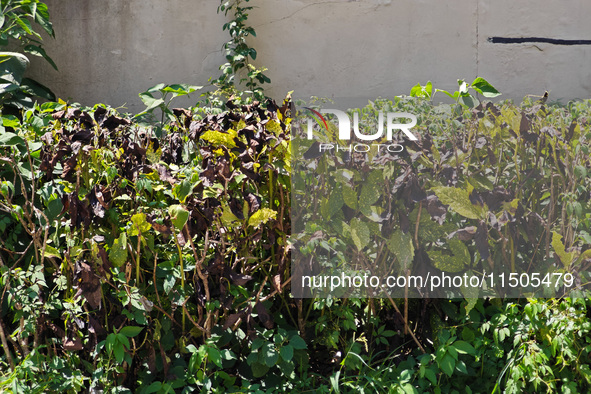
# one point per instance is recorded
(150, 259)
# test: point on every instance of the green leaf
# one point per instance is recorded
(559, 249)
(464, 347)
(372, 188)
(118, 252)
(168, 283)
(50, 251)
(6, 187)
(452, 95)
(401, 245)
(422, 91)
(469, 101)
(456, 262)
(11, 139)
(181, 190)
(429, 374)
(180, 89)
(139, 224)
(259, 370)
(580, 172)
(178, 216)
(461, 366)
(286, 352)
(448, 364)
(459, 201)
(153, 388)
(34, 88)
(42, 18)
(13, 66)
(119, 352)
(335, 202)
(156, 88)
(297, 342)
(39, 51)
(349, 196)
(334, 382)
(214, 356)
(270, 355)
(482, 86)
(131, 331)
(261, 216)
(470, 294)
(227, 217)
(25, 25)
(10, 121)
(150, 102)
(359, 233)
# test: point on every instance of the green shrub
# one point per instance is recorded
(137, 254)
(497, 191)
(132, 261)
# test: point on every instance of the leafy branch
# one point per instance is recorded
(239, 54)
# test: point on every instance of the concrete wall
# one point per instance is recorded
(110, 50)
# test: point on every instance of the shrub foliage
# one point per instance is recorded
(137, 262)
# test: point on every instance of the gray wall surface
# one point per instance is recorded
(111, 50)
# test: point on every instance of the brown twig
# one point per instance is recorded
(406, 325)
(5, 346)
